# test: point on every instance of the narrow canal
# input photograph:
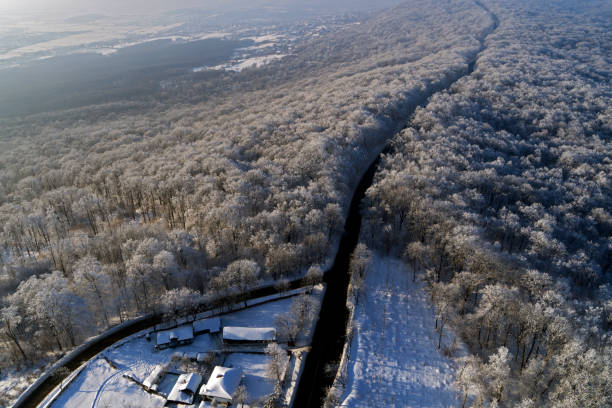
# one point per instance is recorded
(330, 333)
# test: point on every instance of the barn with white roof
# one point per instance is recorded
(249, 334)
(150, 383)
(185, 389)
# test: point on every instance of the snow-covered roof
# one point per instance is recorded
(249, 333)
(154, 376)
(180, 333)
(212, 325)
(222, 383)
(185, 388)
(193, 380)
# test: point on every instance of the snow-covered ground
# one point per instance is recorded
(102, 385)
(253, 368)
(255, 62)
(394, 360)
(242, 64)
(14, 381)
(258, 316)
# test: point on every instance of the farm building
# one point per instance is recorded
(211, 325)
(185, 389)
(222, 385)
(150, 383)
(176, 337)
(249, 334)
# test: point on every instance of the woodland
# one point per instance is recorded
(498, 195)
(496, 191)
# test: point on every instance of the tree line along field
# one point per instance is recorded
(497, 192)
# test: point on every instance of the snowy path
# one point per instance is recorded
(101, 389)
(394, 361)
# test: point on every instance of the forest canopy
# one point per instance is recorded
(498, 192)
(494, 187)
(109, 207)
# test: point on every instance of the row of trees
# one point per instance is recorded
(498, 195)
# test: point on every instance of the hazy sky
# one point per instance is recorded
(108, 6)
(71, 7)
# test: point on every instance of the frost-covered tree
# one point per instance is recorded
(314, 275)
(14, 328)
(56, 310)
(300, 316)
(277, 361)
(177, 302)
(94, 285)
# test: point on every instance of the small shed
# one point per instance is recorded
(222, 385)
(185, 389)
(211, 325)
(150, 383)
(249, 334)
(176, 337)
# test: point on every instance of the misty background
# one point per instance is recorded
(67, 53)
(71, 7)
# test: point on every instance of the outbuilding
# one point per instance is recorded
(150, 383)
(176, 337)
(210, 325)
(185, 389)
(233, 334)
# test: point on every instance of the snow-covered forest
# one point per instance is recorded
(496, 192)
(108, 212)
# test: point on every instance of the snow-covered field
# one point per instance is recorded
(242, 64)
(255, 62)
(102, 385)
(394, 360)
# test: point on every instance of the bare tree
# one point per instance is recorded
(241, 396)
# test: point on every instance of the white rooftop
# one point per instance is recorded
(180, 333)
(154, 376)
(212, 325)
(222, 383)
(185, 388)
(249, 333)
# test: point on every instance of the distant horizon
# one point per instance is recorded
(71, 8)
